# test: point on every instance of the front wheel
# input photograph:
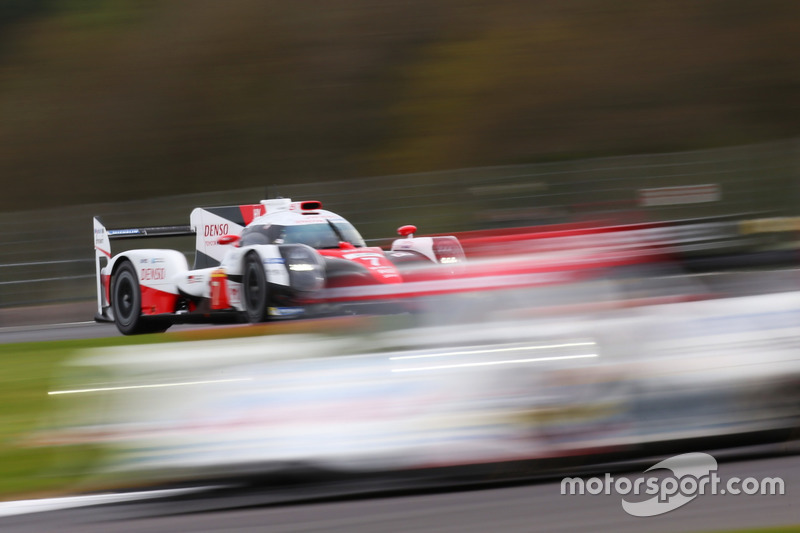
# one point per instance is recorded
(126, 302)
(254, 283)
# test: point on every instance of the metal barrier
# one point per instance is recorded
(46, 255)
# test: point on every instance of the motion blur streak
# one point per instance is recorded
(496, 350)
(151, 386)
(490, 363)
(70, 502)
(352, 402)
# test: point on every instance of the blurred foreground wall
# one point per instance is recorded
(392, 397)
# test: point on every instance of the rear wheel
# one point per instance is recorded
(254, 285)
(126, 301)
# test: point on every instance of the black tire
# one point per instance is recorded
(126, 302)
(254, 287)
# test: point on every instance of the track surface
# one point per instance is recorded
(70, 331)
(720, 284)
(531, 507)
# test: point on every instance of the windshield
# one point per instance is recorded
(315, 235)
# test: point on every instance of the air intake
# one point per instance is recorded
(311, 205)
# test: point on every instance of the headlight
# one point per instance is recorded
(305, 266)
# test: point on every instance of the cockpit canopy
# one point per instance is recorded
(318, 236)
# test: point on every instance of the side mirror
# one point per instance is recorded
(407, 231)
(228, 239)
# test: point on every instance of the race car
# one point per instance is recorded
(254, 262)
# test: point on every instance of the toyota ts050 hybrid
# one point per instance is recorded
(255, 262)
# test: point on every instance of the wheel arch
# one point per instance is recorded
(163, 264)
(269, 255)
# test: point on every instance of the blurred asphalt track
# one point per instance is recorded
(515, 508)
(85, 329)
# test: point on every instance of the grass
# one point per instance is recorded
(30, 464)
(28, 372)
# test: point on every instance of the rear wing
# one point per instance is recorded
(207, 224)
(103, 236)
(155, 231)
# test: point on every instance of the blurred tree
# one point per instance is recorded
(114, 99)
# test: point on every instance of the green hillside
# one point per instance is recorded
(103, 100)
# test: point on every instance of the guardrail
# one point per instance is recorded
(46, 255)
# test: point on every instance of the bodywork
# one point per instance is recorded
(301, 248)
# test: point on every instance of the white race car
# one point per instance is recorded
(258, 261)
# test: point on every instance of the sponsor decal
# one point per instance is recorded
(285, 311)
(215, 230)
(153, 274)
(274, 261)
(370, 257)
(315, 219)
(376, 263)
